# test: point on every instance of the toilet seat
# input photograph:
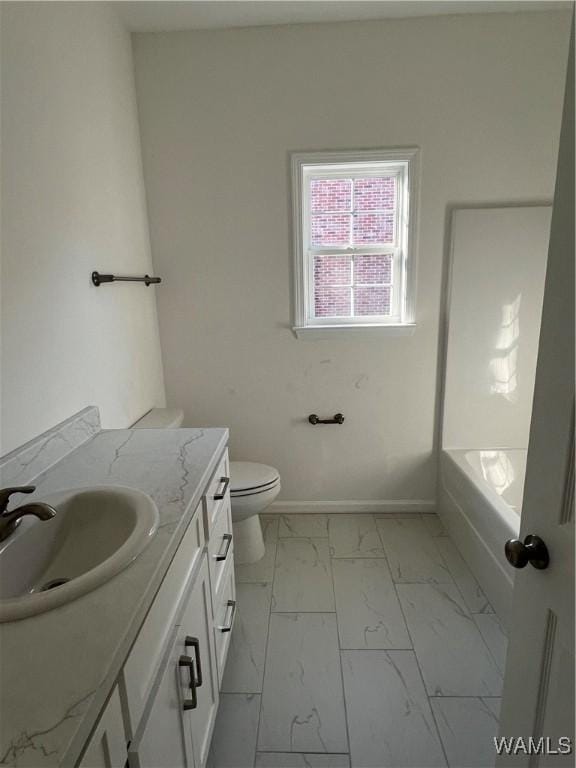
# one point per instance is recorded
(255, 491)
(247, 478)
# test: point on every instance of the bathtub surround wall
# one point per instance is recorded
(497, 274)
(495, 306)
(220, 111)
(72, 201)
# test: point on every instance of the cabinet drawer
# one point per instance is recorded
(107, 747)
(220, 546)
(218, 490)
(224, 614)
(144, 659)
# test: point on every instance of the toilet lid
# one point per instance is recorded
(249, 476)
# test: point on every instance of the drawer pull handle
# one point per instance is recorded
(193, 642)
(227, 627)
(192, 703)
(220, 495)
(228, 539)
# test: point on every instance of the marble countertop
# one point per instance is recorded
(57, 668)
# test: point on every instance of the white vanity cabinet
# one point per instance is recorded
(169, 685)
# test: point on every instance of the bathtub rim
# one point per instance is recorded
(507, 514)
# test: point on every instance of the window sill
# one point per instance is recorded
(323, 332)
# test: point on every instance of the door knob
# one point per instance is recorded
(532, 550)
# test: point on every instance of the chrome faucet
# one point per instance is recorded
(9, 521)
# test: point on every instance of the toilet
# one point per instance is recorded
(253, 487)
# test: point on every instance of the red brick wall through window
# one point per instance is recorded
(351, 213)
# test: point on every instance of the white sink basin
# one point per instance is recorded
(96, 533)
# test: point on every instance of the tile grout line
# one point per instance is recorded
(267, 641)
(472, 613)
(491, 653)
(340, 655)
(438, 730)
(452, 575)
(305, 612)
(463, 697)
(308, 752)
(360, 557)
(416, 659)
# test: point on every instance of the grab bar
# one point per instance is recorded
(338, 418)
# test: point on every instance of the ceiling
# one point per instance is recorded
(166, 15)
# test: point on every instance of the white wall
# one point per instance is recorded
(497, 287)
(219, 112)
(72, 201)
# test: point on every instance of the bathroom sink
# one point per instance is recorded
(95, 534)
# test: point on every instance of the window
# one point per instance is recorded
(354, 222)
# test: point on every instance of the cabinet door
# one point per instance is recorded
(177, 725)
(107, 747)
(149, 650)
(163, 738)
(197, 639)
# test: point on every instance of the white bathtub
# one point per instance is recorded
(480, 501)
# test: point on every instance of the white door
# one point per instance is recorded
(539, 685)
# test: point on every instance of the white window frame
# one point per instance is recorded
(403, 164)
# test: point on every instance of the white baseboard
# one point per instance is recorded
(336, 507)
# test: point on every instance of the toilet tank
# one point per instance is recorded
(161, 418)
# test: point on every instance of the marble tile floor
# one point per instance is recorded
(361, 641)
